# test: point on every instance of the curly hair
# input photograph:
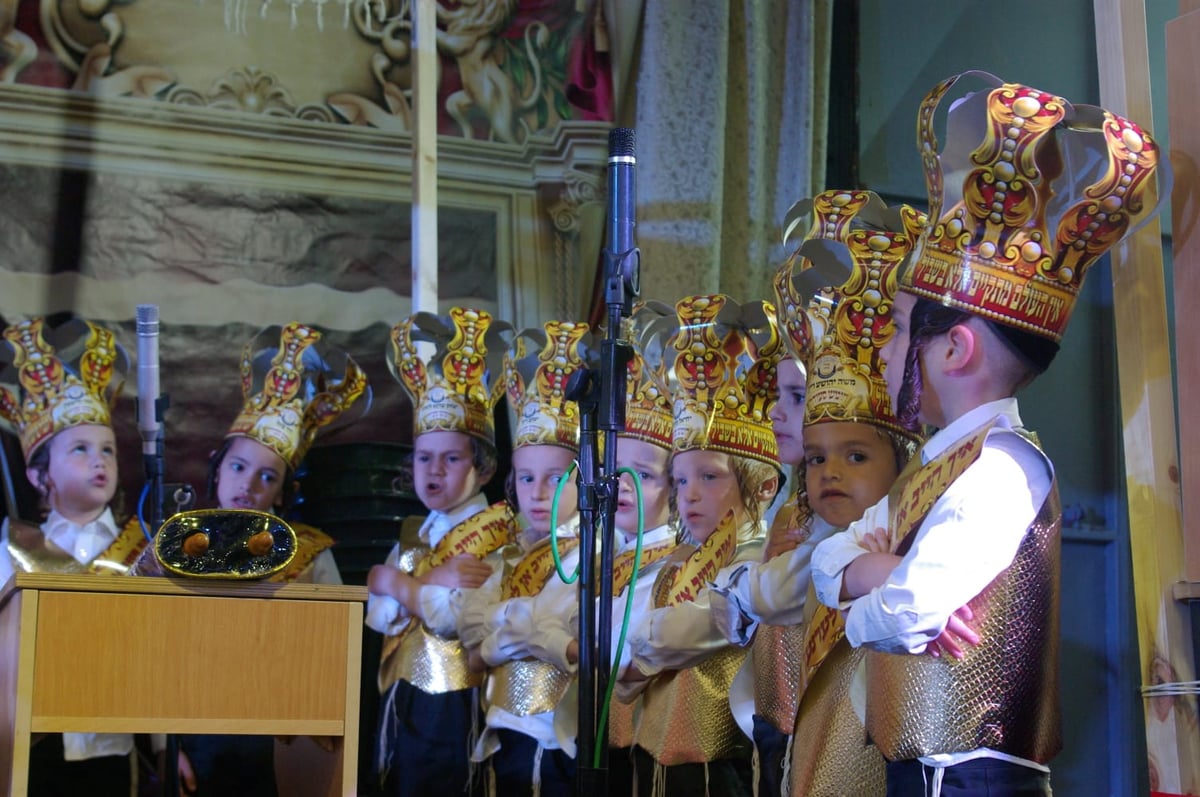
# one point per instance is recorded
(751, 475)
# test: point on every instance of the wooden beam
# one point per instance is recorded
(424, 169)
(1148, 414)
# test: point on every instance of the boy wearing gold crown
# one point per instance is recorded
(66, 380)
(522, 687)
(691, 735)
(854, 448)
(975, 519)
(294, 384)
(644, 447)
(430, 697)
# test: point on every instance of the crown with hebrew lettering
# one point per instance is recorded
(720, 373)
(1029, 192)
(53, 379)
(455, 386)
(295, 383)
(648, 414)
(537, 367)
(860, 244)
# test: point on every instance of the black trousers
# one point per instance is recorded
(772, 752)
(728, 777)
(426, 739)
(52, 776)
(981, 777)
(512, 766)
(231, 764)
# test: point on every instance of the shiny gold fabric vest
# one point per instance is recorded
(431, 663)
(310, 542)
(29, 553)
(685, 716)
(1003, 694)
(830, 754)
(529, 686)
(776, 653)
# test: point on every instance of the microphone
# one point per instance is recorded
(149, 424)
(622, 199)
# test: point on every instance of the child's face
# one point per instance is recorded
(706, 489)
(250, 476)
(537, 471)
(649, 462)
(895, 350)
(444, 471)
(81, 478)
(787, 416)
(848, 468)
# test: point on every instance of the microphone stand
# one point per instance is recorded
(601, 395)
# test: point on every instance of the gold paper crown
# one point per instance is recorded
(457, 388)
(1048, 189)
(648, 413)
(720, 374)
(839, 333)
(292, 387)
(536, 368)
(65, 377)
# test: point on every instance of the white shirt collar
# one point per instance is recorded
(83, 542)
(439, 523)
(1003, 409)
(649, 537)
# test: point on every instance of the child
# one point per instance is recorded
(854, 448)
(522, 687)
(725, 471)
(975, 520)
(294, 384)
(644, 447)
(430, 700)
(66, 381)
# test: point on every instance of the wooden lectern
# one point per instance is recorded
(180, 656)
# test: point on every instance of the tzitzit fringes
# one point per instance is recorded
(755, 769)
(658, 786)
(536, 781)
(785, 785)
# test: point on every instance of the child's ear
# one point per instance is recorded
(768, 489)
(37, 479)
(962, 344)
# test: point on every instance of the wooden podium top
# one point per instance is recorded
(157, 585)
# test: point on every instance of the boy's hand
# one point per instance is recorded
(475, 662)
(573, 651)
(877, 541)
(463, 571)
(782, 542)
(956, 633)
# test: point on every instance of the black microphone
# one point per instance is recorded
(622, 199)
(149, 424)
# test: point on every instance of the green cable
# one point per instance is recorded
(554, 530)
(612, 678)
(641, 527)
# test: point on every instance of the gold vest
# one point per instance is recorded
(310, 542)
(1003, 693)
(622, 716)
(685, 715)
(529, 686)
(776, 652)
(417, 655)
(830, 752)
(29, 554)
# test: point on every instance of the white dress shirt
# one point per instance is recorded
(507, 630)
(439, 605)
(771, 593)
